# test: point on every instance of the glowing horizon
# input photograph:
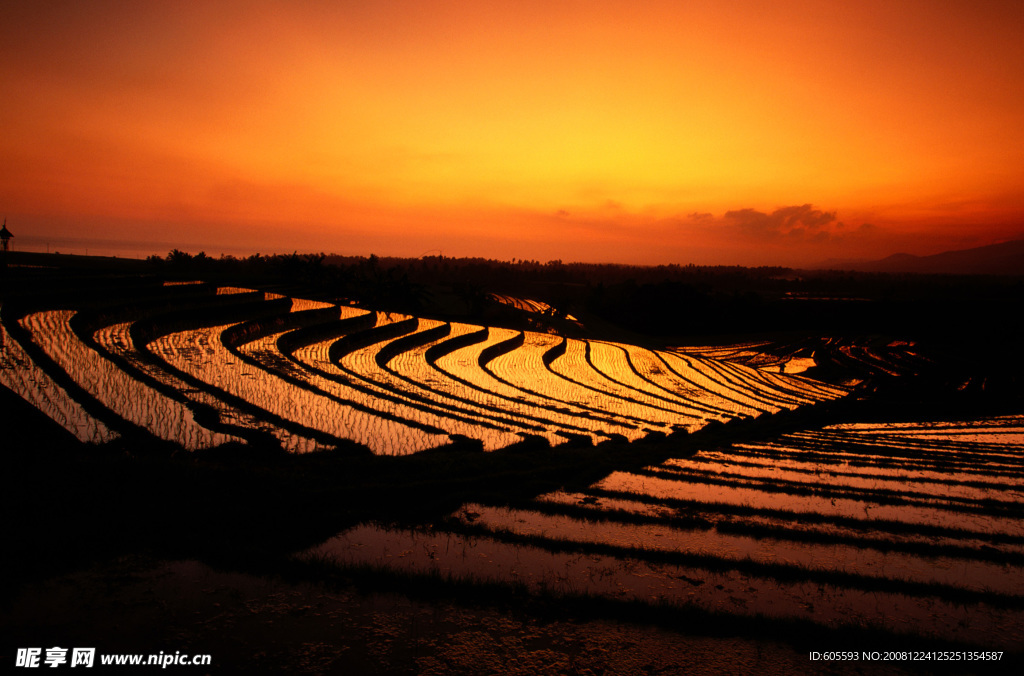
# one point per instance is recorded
(728, 132)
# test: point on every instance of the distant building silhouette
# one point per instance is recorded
(5, 235)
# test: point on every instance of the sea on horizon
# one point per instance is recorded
(136, 249)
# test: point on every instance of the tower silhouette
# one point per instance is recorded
(5, 236)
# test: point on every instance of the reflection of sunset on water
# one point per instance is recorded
(117, 340)
(113, 388)
(516, 336)
(486, 556)
(808, 504)
(201, 354)
(701, 542)
(378, 389)
(25, 378)
(400, 384)
(753, 530)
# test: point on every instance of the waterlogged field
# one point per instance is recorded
(856, 527)
(693, 485)
(201, 354)
(308, 375)
(126, 397)
(416, 373)
(117, 340)
(20, 374)
(462, 367)
(527, 305)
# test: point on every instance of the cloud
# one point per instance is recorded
(802, 222)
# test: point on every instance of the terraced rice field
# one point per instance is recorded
(911, 530)
(20, 374)
(307, 375)
(907, 530)
(126, 397)
(527, 305)
(117, 340)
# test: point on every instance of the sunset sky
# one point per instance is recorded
(718, 131)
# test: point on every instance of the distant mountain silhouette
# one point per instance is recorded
(1006, 258)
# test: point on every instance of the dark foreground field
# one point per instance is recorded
(887, 519)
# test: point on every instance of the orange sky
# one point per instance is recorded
(642, 132)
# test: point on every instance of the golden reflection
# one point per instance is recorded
(23, 376)
(111, 386)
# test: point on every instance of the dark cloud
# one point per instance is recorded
(798, 222)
